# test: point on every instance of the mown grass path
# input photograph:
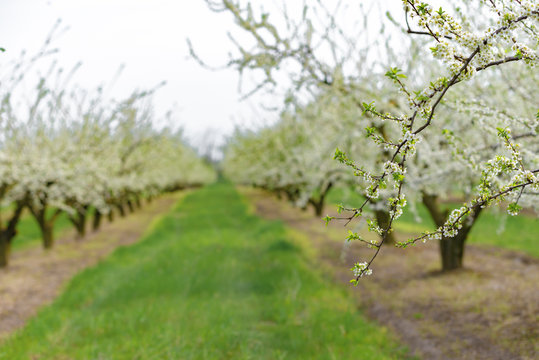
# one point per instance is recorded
(210, 281)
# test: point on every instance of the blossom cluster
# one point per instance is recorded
(361, 269)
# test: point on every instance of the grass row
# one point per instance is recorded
(210, 281)
(492, 228)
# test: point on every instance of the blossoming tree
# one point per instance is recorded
(68, 150)
(464, 48)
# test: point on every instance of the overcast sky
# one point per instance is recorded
(149, 37)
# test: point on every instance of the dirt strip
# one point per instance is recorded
(35, 276)
(488, 310)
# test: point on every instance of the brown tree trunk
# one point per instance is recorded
(452, 252)
(130, 206)
(382, 218)
(45, 225)
(7, 234)
(138, 203)
(289, 195)
(5, 249)
(437, 214)
(47, 236)
(96, 223)
(318, 205)
(81, 228)
(79, 222)
(110, 215)
(121, 209)
(451, 249)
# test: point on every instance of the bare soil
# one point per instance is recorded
(488, 310)
(35, 276)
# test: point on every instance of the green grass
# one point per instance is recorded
(209, 281)
(519, 233)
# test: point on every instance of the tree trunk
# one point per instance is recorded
(79, 221)
(81, 228)
(130, 206)
(47, 236)
(289, 195)
(452, 252)
(451, 249)
(82, 222)
(318, 205)
(45, 225)
(98, 216)
(382, 218)
(5, 249)
(121, 209)
(138, 203)
(7, 234)
(110, 215)
(437, 214)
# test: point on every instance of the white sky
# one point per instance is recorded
(149, 37)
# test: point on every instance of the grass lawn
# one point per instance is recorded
(518, 232)
(209, 281)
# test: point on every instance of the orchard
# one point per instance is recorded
(376, 196)
(73, 151)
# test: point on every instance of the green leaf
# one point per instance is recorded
(370, 131)
(514, 208)
(352, 236)
(394, 73)
(368, 107)
(327, 219)
(440, 12)
(422, 8)
(502, 132)
(398, 177)
(339, 156)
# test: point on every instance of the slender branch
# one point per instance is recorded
(444, 91)
(498, 62)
